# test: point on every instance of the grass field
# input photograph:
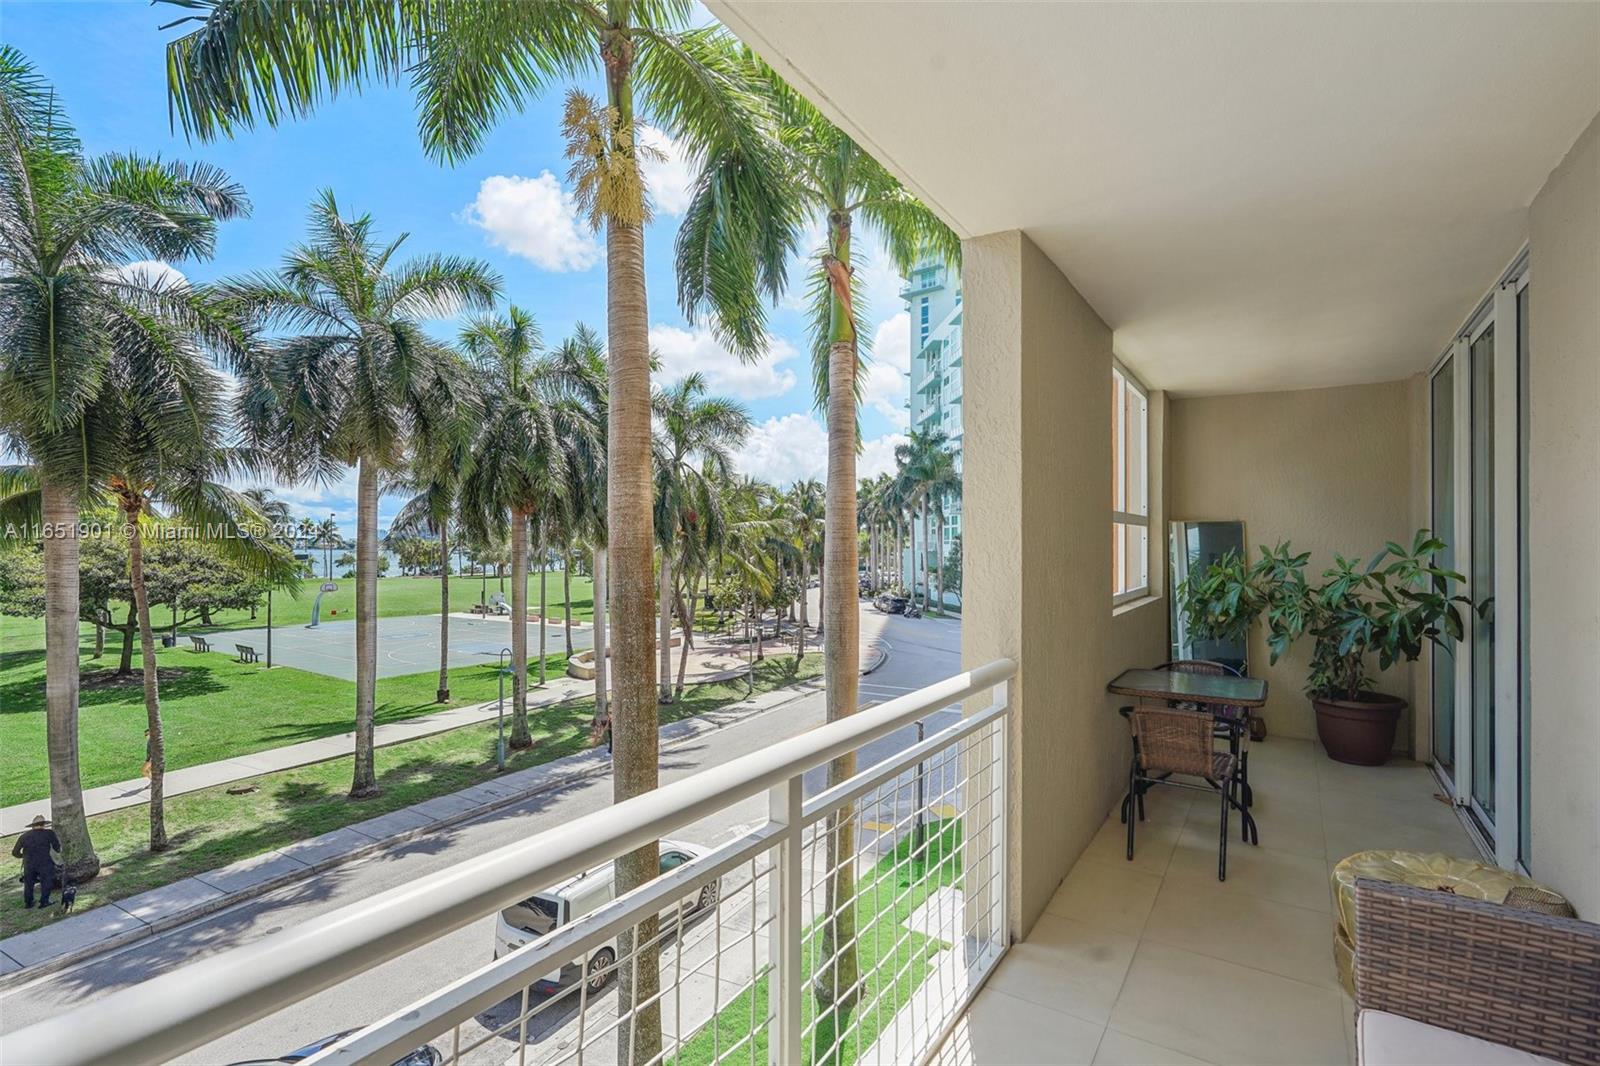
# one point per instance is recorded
(397, 596)
(892, 960)
(211, 828)
(212, 707)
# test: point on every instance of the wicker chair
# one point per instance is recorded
(1232, 722)
(1168, 742)
(1511, 977)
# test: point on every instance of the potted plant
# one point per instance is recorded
(1388, 608)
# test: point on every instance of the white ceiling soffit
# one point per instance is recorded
(1253, 196)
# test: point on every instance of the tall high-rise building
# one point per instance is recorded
(933, 300)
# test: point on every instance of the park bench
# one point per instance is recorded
(200, 643)
(479, 608)
(247, 654)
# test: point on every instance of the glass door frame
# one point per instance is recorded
(1499, 834)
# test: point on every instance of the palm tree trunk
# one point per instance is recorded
(938, 557)
(664, 623)
(365, 781)
(566, 600)
(805, 591)
(60, 513)
(99, 640)
(602, 715)
(544, 605)
(125, 659)
(927, 604)
(521, 736)
(443, 695)
(899, 556)
(155, 747)
(834, 985)
(636, 739)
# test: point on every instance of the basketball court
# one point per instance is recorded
(406, 645)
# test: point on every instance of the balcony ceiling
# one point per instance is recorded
(1254, 197)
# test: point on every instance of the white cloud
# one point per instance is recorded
(670, 180)
(534, 218)
(886, 388)
(877, 455)
(153, 272)
(785, 450)
(880, 282)
(685, 351)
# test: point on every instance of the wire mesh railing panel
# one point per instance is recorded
(708, 947)
(853, 927)
(908, 882)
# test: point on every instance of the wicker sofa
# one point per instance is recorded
(1444, 979)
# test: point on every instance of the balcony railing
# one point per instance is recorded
(753, 939)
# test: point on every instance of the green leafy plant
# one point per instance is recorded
(1391, 607)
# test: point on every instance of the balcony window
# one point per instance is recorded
(1130, 498)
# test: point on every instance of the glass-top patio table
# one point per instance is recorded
(1211, 690)
(1221, 694)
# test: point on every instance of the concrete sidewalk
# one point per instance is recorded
(112, 925)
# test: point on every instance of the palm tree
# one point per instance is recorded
(66, 225)
(750, 552)
(581, 361)
(161, 408)
(810, 515)
(355, 387)
(718, 265)
(520, 469)
(327, 534)
(694, 449)
(471, 63)
(944, 487)
(927, 473)
(439, 461)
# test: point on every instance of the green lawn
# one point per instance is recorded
(212, 707)
(212, 828)
(399, 596)
(893, 961)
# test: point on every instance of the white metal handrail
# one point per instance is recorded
(188, 1007)
(448, 1008)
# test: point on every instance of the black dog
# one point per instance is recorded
(69, 894)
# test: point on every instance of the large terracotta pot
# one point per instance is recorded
(1360, 732)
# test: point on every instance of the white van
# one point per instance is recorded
(559, 905)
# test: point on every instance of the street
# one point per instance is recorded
(921, 651)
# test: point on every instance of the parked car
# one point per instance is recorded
(560, 905)
(889, 603)
(426, 1055)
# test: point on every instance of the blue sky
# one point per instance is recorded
(508, 205)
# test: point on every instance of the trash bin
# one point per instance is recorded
(168, 640)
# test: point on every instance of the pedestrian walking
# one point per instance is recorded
(40, 851)
(149, 755)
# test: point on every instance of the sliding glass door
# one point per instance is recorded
(1442, 406)
(1481, 719)
(1482, 571)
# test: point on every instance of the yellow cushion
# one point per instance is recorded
(1463, 877)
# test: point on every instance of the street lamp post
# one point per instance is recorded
(269, 627)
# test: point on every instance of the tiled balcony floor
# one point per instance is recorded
(1155, 961)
